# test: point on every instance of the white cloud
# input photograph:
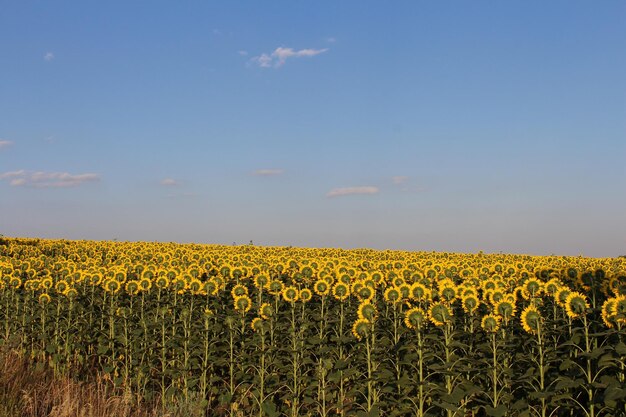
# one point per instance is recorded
(5, 143)
(336, 192)
(243, 53)
(280, 55)
(331, 40)
(267, 172)
(169, 182)
(49, 56)
(42, 179)
(399, 179)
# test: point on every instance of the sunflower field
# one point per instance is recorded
(277, 331)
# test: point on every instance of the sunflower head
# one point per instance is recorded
(132, 287)
(490, 323)
(552, 286)
(260, 281)
(145, 283)
(71, 293)
(419, 292)
(620, 309)
(561, 296)
(361, 328)
(532, 288)
(210, 287)
(608, 312)
(505, 309)
(257, 324)
(321, 287)
(162, 282)
(112, 286)
(367, 311)
(531, 319)
(290, 294)
(243, 304)
(470, 303)
(576, 305)
(239, 290)
(341, 291)
(196, 287)
(448, 293)
(365, 293)
(275, 287)
(392, 295)
(44, 298)
(306, 295)
(415, 318)
(266, 311)
(440, 314)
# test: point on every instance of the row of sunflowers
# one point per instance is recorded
(249, 330)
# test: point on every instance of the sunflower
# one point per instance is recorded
(620, 309)
(266, 311)
(448, 292)
(532, 288)
(367, 311)
(306, 295)
(608, 312)
(552, 286)
(561, 296)
(341, 291)
(392, 295)
(44, 298)
(321, 288)
(112, 286)
(275, 287)
(440, 314)
(195, 286)
(505, 309)
(162, 282)
(145, 283)
(70, 293)
(470, 303)
(365, 293)
(405, 291)
(576, 305)
(260, 281)
(491, 323)
(180, 285)
(290, 294)
(419, 292)
(257, 324)
(415, 318)
(361, 328)
(239, 290)
(132, 287)
(243, 304)
(210, 287)
(46, 283)
(531, 319)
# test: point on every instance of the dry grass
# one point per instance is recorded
(30, 389)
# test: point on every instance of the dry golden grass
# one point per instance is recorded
(29, 389)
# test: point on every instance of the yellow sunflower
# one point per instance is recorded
(531, 319)
(576, 305)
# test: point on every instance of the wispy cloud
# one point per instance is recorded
(399, 179)
(267, 172)
(49, 56)
(169, 182)
(337, 192)
(331, 40)
(280, 55)
(42, 179)
(243, 53)
(5, 143)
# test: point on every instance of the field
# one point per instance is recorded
(277, 331)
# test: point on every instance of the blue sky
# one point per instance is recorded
(448, 126)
